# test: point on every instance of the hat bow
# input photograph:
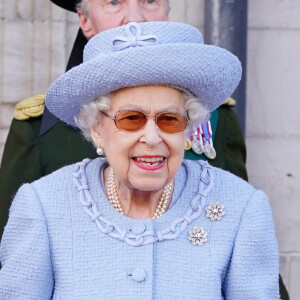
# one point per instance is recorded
(134, 38)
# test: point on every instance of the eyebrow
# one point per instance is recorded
(137, 107)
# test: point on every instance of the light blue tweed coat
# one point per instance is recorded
(64, 240)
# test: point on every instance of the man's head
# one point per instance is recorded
(99, 15)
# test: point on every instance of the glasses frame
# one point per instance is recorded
(148, 117)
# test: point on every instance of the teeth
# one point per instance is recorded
(149, 161)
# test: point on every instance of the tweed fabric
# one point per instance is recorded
(178, 58)
(51, 249)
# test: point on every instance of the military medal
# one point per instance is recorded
(201, 141)
(208, 148)
(187, 144)
(197, 145)
(209, 151)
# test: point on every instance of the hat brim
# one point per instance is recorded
(69, 5)
(208, 72)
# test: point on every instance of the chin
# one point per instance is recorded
(150, 184)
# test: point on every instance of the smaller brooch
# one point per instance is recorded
(197, 236)
(215, 211)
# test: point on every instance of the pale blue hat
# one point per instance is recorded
(150, 53)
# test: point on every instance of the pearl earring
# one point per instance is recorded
(100, 151)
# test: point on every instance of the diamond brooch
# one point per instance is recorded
(197, 236)
(215, 211)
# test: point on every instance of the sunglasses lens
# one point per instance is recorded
(171, 122)
(130, 120)
(168, 122)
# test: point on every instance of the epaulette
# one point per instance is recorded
(230, 102)
(30, 108)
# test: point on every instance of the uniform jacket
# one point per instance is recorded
(64, 240)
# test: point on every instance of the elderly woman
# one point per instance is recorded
(141, 223)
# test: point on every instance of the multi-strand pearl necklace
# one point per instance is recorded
(113, 197)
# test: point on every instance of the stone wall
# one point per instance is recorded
(273, 134)
(35, 41)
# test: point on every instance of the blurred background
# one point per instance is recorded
(36, 38)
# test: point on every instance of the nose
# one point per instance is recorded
(150, 134)
(134, 12)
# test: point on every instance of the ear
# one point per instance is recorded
(86, 25)
(97, 137)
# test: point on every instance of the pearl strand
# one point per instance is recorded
(113, 197)
(163, 201)
(112, 192)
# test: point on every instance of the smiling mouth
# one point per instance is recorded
(150, 161)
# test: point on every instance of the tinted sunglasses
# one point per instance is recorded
(134, 120)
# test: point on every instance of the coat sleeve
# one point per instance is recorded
(254, 268)
(20, 162)
(24, 251)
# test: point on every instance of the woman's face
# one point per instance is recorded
(130, 153)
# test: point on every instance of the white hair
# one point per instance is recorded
(84, 6)
(90, 116)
